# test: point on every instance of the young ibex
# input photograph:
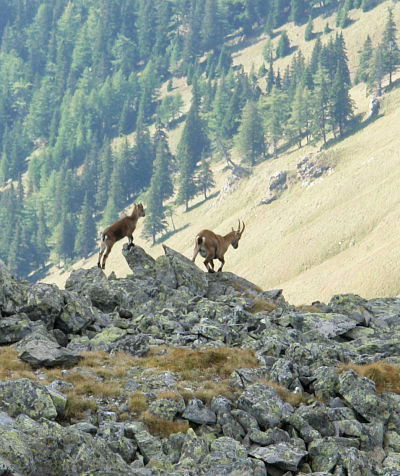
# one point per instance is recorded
(118, 230)
(212, 246)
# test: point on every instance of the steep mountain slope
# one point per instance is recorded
(340, 233)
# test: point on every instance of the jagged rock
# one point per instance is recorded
(230, 427)
(311, 167)
(316, 415)
(263, 402)
(148, 445)
(114, 434)
(328, 324)
(76, 314)
(43, 302)
(283, 455)
(226, 457)
(374, 106)
(167, 408)
(194, 450)
(94, 284)
(278, 180)
(269, 437)
(26, 397)
(187, 273)
(352, 305)
(326, 380)
(14, 328)
(12, 293)
(141, 264)
(172, 446)
(170, 301)
(197, 412)
(359, 393)
(43, 352)
(325, 452)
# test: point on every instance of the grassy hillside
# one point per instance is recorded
(340, 234)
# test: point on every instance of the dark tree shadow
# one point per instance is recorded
(196, 205)
(39, 274)
(167, 235)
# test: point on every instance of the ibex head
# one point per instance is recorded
(141, 212)
(238, 235)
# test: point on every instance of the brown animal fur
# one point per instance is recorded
(118, 230)
(212, 246)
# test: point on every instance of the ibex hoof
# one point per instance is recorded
(211, 271)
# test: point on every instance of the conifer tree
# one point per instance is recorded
(390, 50)
(250, 138)
(308, 33)
(41, 247)
(376, 73)
(340, 104)
(276, 118)
(297, 11)
(205, 177)
(298, 122)
(211, 28)
(364, 62)
(191, 146)
(283, 48)
(86, 230)
(320, 105)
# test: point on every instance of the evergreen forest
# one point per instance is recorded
(84, 125)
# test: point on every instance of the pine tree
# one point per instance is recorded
(298, 122)
(192, 145)
(211, 28)
(250, 138)
(41, 248)
(364, 64)
(341, 105)
(320, 105)
(297, 11)
(86, 230)
(205, 178)
(283, 48)
(276, 118)
(390, 50)
(308, 33)
(376, 73)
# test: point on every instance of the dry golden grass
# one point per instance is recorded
(11, 367)
(137, 402)
(78, 404)
(163, 428)
(212, 389)
(386, 376)
(262, 305)
(191, 364)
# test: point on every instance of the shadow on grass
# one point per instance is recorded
(356, 125)
(39, 274)
(196, 205)
(170, 233)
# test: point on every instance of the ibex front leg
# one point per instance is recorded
(222, 264)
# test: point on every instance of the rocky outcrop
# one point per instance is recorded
(297, 412)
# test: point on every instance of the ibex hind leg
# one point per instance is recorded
(209, 264)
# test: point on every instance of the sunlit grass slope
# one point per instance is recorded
(340, 234)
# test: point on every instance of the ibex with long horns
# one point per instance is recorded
(118, 230)
(212, 246)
